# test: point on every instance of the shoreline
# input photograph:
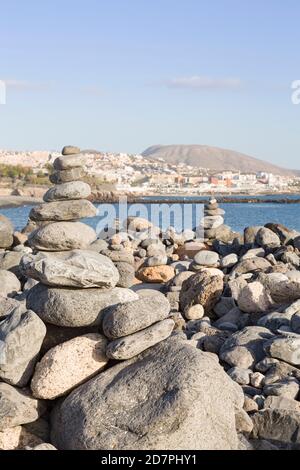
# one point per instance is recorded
(9, 202)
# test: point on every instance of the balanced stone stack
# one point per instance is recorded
(213, 219)
(75, 283)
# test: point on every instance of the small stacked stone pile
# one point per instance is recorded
(213, 220)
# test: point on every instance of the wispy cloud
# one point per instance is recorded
(198, 82)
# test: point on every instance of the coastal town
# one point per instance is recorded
(137, 174)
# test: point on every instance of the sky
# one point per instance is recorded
(121, 75)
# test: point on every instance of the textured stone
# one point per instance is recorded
(111, 412)
(63, 210)
(80, 307)
(76, 268)
(125, 319)
(68, 191)
(70, 150)
(207, 258)
(133, 344)
(21, 337)
(201, 289)
(18, 407)
(267, 238)
(66, 176)
(245, 348)
(9, 283)
(67, 162)
(68, 365)
(61, 236)
(126, 274)
(156, 274)
(286, 348)
(278, 425)
(254, 298)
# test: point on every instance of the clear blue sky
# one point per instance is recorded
(122, 75)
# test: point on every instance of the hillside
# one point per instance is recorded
(214, 158)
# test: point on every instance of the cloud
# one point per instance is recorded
(197, 82)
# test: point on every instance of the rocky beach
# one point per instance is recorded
(140, 338)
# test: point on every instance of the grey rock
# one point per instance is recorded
(69, 307)
(63, 210)
(67, 162)
(70, 150)
(207, 258)
(295, 322)
(224, 305)
(245, 348)
(279, 426)
(267, 238)
(126, 274)
(10, 260)
(285, 348)
(68, 191)
(119, 256)
(21, 337)
(282, 403)
(229, 261)
(125, 319)
(18, 407)
(98, 245)
(76, 268)
(62, 236)
(133, 344)
(110, 411)
(66, 176)
(239, 375)
(288, 388)
(158, 260)
(250, 235)
(251, 265)
(9, 283)
(211, 222)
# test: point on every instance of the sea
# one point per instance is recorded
(237, 215)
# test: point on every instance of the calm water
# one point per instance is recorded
(238, 215)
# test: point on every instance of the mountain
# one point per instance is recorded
(214, 158)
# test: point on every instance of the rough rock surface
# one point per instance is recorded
(21, 337)
(125, 319)
(80, 307)
(110, 411)
(63, 210)
(201, 289)
(77, 268)
(68, 191)
(68, 365)
(132, 345)
(18, 407)
(61, 236)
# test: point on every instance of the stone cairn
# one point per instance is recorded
(74, 314)
(213, 220)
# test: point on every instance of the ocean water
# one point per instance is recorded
(237, 215)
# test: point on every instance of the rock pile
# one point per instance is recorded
(118, 340)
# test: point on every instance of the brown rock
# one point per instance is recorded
(156, 274)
